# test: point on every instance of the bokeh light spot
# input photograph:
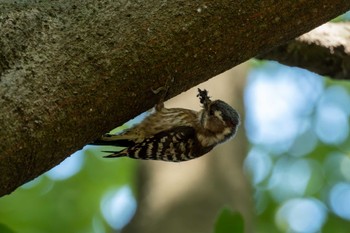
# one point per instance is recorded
(340, 200)
(302, 215)
(345, 167)
(332, 125)
(305, 142)
(289, 178)
(118, 207)
(277, 107)
(69, 167)
(258, 164)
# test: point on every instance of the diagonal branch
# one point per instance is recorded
(72, 70)
(324, 50)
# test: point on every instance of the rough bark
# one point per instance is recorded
(71, 70)
(324, 50)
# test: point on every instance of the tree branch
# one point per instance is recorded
(72, 70)
(324, 50)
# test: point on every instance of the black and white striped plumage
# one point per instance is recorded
(176, 134)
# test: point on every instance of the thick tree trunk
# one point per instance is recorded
(71, 70)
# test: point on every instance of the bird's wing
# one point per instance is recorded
(174, 145)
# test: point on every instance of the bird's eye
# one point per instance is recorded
(211, 112)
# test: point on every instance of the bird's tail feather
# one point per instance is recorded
(117, 142)
(114, 140)
(114, 154)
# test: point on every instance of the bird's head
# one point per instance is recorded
(218, 118)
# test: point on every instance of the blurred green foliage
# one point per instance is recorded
(72, 204)
(229, 221)
(5, 229)
(301, 184)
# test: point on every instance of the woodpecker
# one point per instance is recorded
(176, 134)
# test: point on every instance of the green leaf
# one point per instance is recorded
(5, 229)
(229, 222)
